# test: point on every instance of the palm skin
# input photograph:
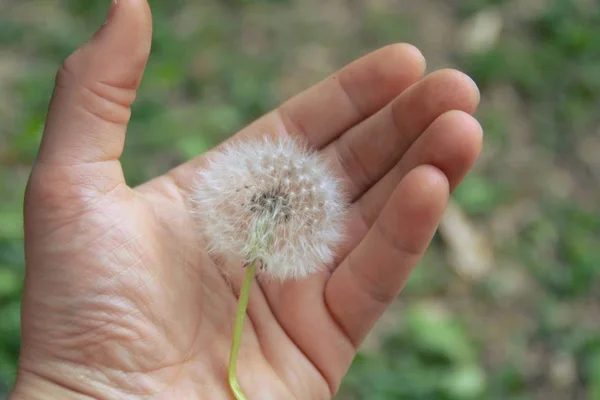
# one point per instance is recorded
(121, 300)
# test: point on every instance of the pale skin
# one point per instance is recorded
(122, 302)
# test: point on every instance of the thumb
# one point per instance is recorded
(94, 89)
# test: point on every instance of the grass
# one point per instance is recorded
(529, 328)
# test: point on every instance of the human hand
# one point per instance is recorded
(121, 301)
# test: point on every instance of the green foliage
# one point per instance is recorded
(468, 7)
(554, 61)
(593, 373)
(437, 335)
(479, 195)
(563, 253)
(11, 276)
(430, 356)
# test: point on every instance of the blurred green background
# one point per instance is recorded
(506, 304)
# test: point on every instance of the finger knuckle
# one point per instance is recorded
(101, 99)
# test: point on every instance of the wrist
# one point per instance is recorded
(52, 380)
(30, 386)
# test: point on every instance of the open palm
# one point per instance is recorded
(121, 300)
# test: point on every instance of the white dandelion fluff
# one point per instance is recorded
(272, 202)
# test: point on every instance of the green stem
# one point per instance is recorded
(237, 331)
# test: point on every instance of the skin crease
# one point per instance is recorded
(122, 302)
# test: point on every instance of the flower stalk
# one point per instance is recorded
(238, 329)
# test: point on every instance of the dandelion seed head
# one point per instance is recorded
(270, 201)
